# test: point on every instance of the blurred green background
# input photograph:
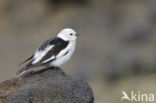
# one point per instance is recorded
(115, 52)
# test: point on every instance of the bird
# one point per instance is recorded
(53, 52)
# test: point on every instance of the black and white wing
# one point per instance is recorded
(46, 53)
(53, 48)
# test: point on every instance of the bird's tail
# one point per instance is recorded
(21, 71)
(26, 60)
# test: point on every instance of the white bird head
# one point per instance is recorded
(68, 34)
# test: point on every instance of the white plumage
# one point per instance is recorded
(39, 54)
(63, 59)
(54, 52)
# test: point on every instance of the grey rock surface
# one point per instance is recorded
(50, 85)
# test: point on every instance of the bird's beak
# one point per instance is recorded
(77, 34)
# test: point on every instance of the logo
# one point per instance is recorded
(134, 97)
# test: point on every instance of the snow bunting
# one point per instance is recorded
(54, 52)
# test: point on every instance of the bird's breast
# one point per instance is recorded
(64, 55)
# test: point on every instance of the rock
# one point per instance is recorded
(50, 85)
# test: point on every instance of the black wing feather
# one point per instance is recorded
(59, 45)
(26, 60)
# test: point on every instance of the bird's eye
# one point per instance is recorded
(71, 34)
